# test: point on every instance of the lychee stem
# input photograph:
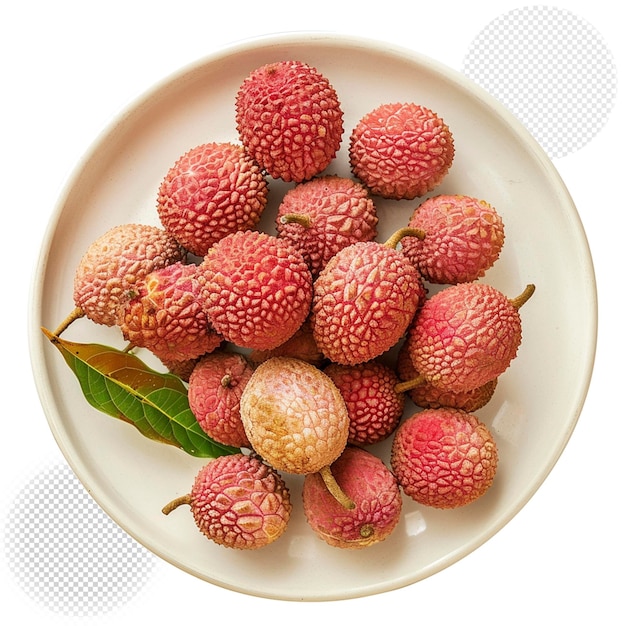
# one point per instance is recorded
(174, 504)
(77, 313)
(409, 384)
(298, 218)
(334, 489)
(226, 380)
(523, 297)
(394, 240)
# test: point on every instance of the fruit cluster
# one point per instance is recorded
(284, 340)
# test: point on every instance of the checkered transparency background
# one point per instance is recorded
(66, 553)
(551, 69)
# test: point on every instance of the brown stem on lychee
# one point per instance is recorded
(77, 313)
(296, 218)
(226, 380)
(523, 297)
(334, 489)
(394, 240)
(174, 504)
(409, 384)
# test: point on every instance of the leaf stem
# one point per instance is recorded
(395, 238)
(523, 297)
(298, 218)
(335, 489)
(409, 384)
(77, 313)
(174, 504)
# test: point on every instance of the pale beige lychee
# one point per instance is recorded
(294, 415)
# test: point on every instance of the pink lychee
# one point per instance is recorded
(257, 289)
(289, 119)
(114, 265)
(401, 150)
(167, 316)
(215, 387)
(373, 491)
(444, 458)
(238, 502)
(463, 238)
(374, 406)
(323, 215)
(214, 189)
(466, 335)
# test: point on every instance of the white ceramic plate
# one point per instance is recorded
(538, 400)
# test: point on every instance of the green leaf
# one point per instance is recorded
(120, 384)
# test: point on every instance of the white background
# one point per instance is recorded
(69, 67)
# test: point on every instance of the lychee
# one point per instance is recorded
(114, 265)
(167, 316)
(238, 501)
(211, 191)
(257, 289)
(444, 458)
(367, 481)
(463, 239)
(401, 150)
(301, 345)
(215, 387)
(429, 396)
(289, 119)
(364, 300)
(466, 335)
(323, 215)
(294, 416)
(369, 391)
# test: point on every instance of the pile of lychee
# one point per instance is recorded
(301, 348)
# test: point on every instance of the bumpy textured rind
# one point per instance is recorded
(401, 150)
(294, 415)
(214, 189)
(363, 301)
(340, 212)
(444, 458)
(113, 266)
(463, 239)
(215, 387)
(239, 502)
(374, 406)
(429, 396)
(167, 316)
(257, 289)
(301, 345)
(367, 481)
(464, 336)
(289, 119)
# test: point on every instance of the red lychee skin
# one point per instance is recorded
(401, 150)
(338, 211)
(301, 345)
(367, 481)
(214, 189)
(168, 318)
(464, 336)
(215, 388)
(257, 289)
(464, 237)
(444, 458)
(429, 396)
(114, 265)
(289, 119)
(363, 301)
(374, 406)
(239, 502)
